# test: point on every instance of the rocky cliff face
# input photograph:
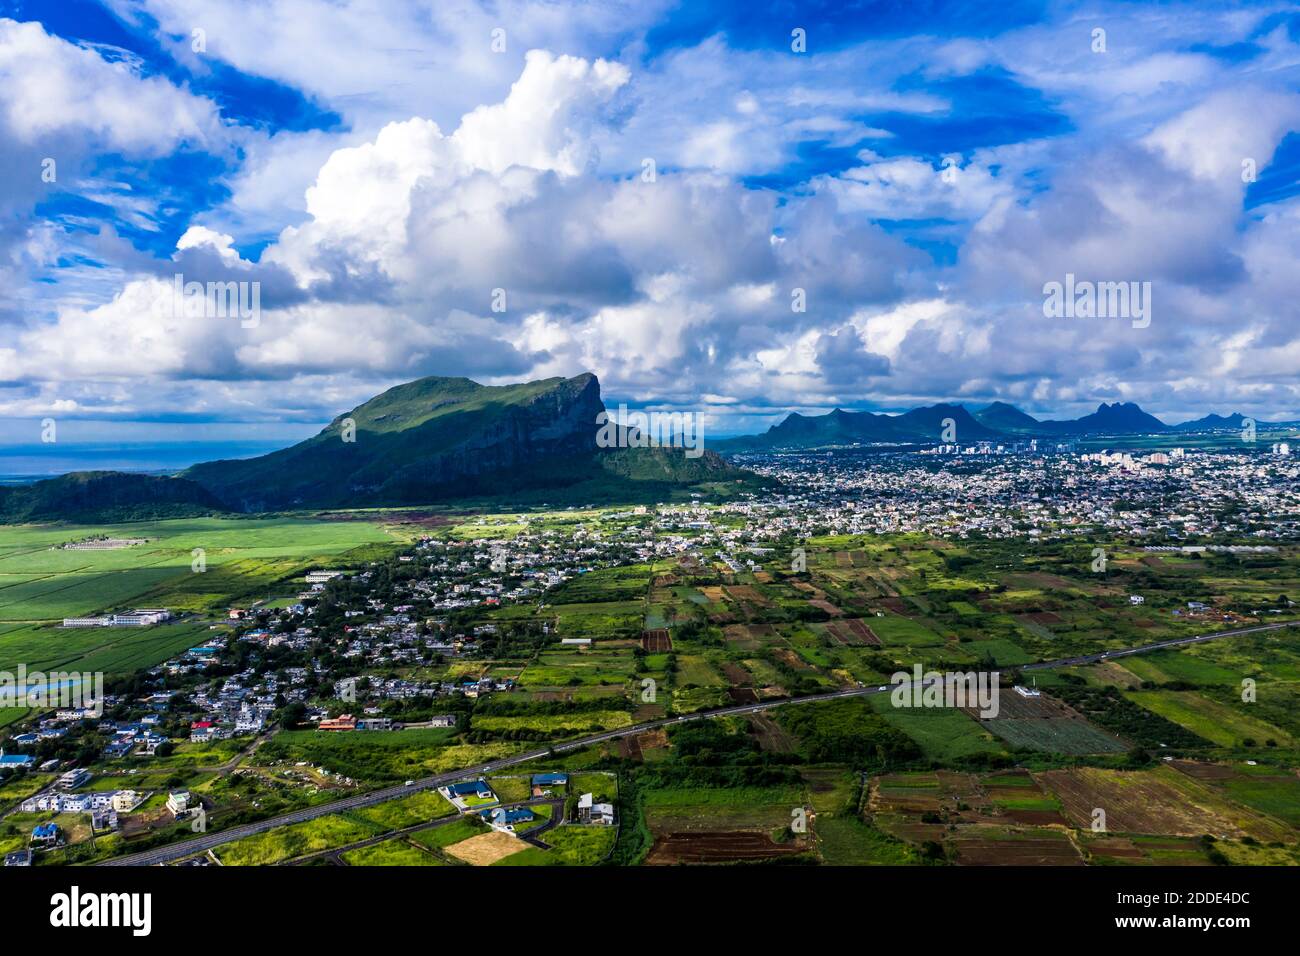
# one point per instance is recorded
(423, 442)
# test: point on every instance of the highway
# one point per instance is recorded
(176, 851)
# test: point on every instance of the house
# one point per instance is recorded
(589, 811)
(1136, 599)
(375, 723)
(459, 794)
(249, 724)
(46, 834)
(342, 722)
(103, 819)
(505, 818)
(178, 803)
(124, 800)
(475, 788)
(544, 783)
(443, 720)
(19, 858)
(15, 761)
(73, 779)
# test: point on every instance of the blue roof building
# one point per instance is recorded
(476, 788)
(550, 779)
(501, 816)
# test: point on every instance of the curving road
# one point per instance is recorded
(176, 851)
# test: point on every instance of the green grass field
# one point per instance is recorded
(40, 582)
(570, 846)
(943, 734)
(1224, 725)
(396, 852)
(285, 843)
(382, 756)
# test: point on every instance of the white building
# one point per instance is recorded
(73, 779)
(589, 811)
(141, 617)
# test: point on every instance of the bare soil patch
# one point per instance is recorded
(725, 846)
(657, 640)
(486, 848)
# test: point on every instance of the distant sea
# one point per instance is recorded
(21, 464)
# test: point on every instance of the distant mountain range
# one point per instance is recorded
(451, 440)
(996, 422)
(430, 441)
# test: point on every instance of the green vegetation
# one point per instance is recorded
(380, 756)
(569, 846)
(286, 843)
(396, 852)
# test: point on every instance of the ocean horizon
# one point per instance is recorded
(23, 464)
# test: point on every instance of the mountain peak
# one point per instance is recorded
(439, 438)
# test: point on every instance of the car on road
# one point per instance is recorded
(409, 783)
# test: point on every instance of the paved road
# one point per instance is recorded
(176, 851)
(1158, 646)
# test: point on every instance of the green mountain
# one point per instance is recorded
(1007, 418)
(1118, 418)
(105, 496)
(442, 439)
(996, 422)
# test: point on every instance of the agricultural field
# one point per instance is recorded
(1222, 724)
(42, 583)
(1162, 801)
(243, 559)
(724, 825)
(1045, 724)
(1159, 741)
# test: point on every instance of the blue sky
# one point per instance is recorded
(914, 172)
